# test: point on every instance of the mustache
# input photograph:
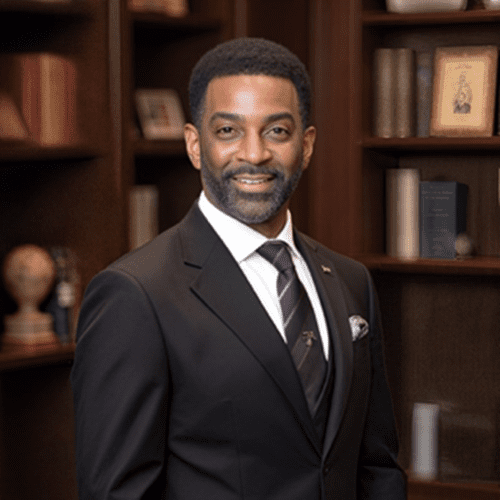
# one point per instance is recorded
(252, 170)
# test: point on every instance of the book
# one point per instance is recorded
(48, 97)
(424, 441)
(12, 126)
(402, 214)
(424, 62)
(404, 89)
(394, 93)
(443, 211)
(143, 215)
(383, 98)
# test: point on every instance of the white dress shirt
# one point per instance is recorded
(243, 242)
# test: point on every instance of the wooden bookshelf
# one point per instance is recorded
(440, 316)
(65, 195)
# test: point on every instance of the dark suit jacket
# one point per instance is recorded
(184, 389)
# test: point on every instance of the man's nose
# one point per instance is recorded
(254, 149)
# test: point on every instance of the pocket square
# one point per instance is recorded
(359, 327)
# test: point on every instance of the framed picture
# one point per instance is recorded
(160, 113)
(464, 89)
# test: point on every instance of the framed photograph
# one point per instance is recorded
(464, 90)
(160, 113)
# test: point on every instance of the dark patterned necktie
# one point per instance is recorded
(301, 330)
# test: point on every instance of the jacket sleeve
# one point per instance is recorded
(119, 380)
(379, 475)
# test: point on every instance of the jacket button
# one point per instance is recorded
(326, 470)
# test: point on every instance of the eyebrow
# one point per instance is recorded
(241, 118)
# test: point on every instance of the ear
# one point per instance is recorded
(192, 139)
(308, 145)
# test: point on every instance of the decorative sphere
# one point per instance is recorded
(464, 246)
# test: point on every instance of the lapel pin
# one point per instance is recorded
(326, 269)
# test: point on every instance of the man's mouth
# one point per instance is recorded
(248, 182)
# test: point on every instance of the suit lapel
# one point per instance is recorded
(222, 287)
(334, 307)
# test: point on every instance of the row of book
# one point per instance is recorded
(402, 93)
(424, 218)
(38, 98)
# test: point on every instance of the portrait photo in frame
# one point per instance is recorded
(160, 114)
(464, 91)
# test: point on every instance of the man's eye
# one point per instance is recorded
(279, 132)
(225, 131)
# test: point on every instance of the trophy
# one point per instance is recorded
(29, 274)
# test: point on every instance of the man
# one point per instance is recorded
(209, 366)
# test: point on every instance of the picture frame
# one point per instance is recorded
(160, 114)
(464, 91)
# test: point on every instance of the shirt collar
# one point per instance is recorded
(240, 239)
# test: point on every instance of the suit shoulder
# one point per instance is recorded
(151, 259)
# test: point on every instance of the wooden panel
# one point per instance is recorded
(335, 185)
(442, 347)
(37, 435)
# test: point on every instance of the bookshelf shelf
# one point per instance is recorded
(27, 151)
(69, 8)
(15, 358)
(476, 266)
(433, 144)
(383, 18)
(188, 25)
(145, 148)
(421, 490)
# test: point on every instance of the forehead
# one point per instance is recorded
(251, 95)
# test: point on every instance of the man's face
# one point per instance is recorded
(251, 147)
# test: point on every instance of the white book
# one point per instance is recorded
(402, 212)
(424, 461)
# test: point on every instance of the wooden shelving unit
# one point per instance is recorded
(440, 316)
(54, 196)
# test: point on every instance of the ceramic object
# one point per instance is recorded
(29, 274)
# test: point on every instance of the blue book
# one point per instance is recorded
(443, 210)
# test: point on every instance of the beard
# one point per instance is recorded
(250, 208)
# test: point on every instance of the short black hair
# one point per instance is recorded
(249, 56)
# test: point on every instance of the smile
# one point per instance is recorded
(253, 182)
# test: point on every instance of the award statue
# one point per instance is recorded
(29, 273)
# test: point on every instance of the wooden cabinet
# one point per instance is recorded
(441, 318)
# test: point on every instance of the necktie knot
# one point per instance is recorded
(277, 254)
